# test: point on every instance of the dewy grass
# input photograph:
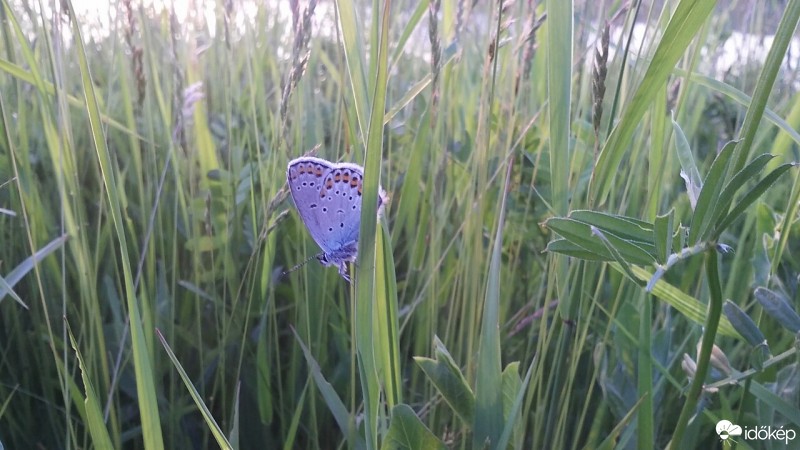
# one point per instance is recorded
(146, 171)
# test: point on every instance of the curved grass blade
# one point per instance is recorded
(216, 431)
(335, 405)
(684, 24)
(7, 283)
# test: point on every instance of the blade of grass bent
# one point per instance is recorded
(216, 431)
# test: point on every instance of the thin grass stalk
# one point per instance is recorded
(646, 389)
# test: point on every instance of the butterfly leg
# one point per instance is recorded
(343, 271)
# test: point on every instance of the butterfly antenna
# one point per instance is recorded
(297, 266)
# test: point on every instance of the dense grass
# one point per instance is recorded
(146, 227)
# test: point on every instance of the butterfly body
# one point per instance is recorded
(328, 199)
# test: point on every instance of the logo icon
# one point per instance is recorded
(727, 429)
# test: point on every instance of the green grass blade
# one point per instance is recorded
(693, 309)
(219, 436)
(388, 335)
(94, 413)
(766, 80)
(559, 84)
(684, 24)
(337, 408)
(13, 277)
(488, 424)
(145, 383)
(371, 367)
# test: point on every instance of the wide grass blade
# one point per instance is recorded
(489, 424)
(684, 24)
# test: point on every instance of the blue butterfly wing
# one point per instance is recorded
(328, 198)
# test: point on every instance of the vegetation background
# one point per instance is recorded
(146, 227)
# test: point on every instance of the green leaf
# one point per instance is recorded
(445, 375)
(407, 432)
(737, 182)
(751, 197)
(514, 394)
(743, 324)
(662, 235)
(709, 194)
(571, 249)
(626, 268)
(627, 228)
(691, 176)
(778, 308)
(580, 233)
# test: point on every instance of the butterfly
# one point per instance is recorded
(328, 198)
